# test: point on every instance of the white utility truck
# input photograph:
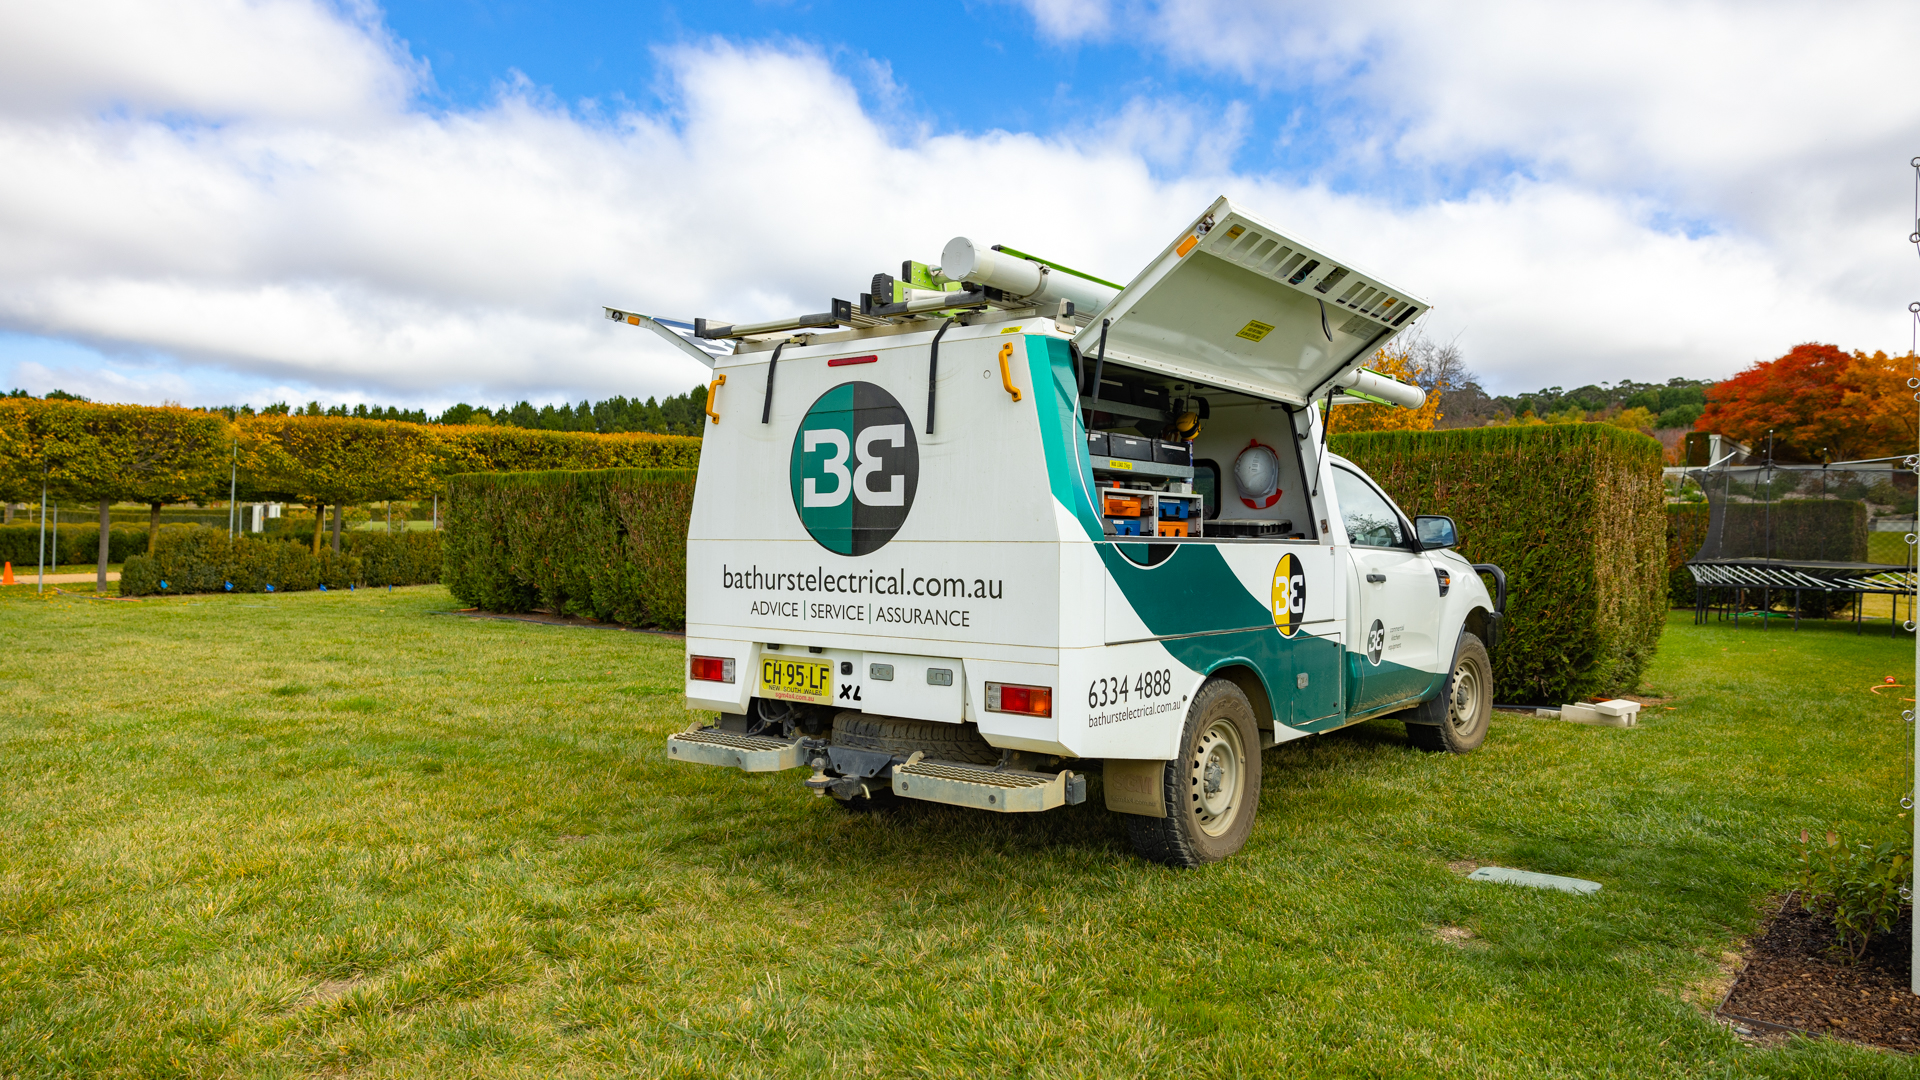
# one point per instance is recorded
(1001, 525)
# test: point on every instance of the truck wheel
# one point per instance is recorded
(941, 742)
(1460, 715)
(1212, 789)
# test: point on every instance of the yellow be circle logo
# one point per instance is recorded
(1289, 595)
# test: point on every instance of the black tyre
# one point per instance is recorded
(1457, 719)
(1212, 789)
(941, 742)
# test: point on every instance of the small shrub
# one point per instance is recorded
(1855, 885)
(397, 558)
(140, 576)
(198, 559)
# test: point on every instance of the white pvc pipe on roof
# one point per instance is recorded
(963, 260)
(1375, 385)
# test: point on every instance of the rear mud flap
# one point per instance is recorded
(748, 753)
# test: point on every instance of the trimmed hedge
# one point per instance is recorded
(199, 559)
(482, 448)
(609, 544)
(1817, 530)
(397, 558)
(20, 544)
(1573, 514)
(1686, 531)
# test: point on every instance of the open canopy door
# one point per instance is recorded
(1235, 303)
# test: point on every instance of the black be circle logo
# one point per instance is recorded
(854, 468)
(1376, 642)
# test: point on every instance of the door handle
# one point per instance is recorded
(1376, 578)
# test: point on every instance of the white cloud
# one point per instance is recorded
(1751, 113)
(208, 58)
(312, 231)
(1071, 19)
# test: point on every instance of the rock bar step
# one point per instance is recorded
(1008, 791)
(749, 753)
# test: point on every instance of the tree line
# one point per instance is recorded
(682, 414)
(1819, 402)
(165, 455)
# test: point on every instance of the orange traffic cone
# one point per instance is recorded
(7, 577)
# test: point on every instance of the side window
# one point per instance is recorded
(1370, 519)
(1206, 484)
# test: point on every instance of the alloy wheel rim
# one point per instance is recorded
(1464, 710)
(1214, 779)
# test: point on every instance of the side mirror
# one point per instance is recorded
(1435, 532)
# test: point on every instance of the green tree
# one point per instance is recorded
(333, 461)
(127, 453)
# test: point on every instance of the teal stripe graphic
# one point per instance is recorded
(1194, 591)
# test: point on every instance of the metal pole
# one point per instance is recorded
(233, 489)
(42, 586)
(1913, 961)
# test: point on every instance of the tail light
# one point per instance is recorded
(1025, 700)
(711, 668)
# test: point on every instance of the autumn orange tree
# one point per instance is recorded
(1397, 362)
(1819, 401)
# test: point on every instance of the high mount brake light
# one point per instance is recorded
(1025, 700)
(711, 668)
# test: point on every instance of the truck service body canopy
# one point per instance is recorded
(1236, 303)
(865, 504)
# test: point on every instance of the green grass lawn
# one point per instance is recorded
(342, 834)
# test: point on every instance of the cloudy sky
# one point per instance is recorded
(216, 201)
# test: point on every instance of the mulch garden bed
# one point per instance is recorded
(1792, 980)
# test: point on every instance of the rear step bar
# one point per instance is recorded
(730, 749)
(1005, 791)
(1008, 791)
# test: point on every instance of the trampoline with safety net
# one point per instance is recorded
(1816, 541)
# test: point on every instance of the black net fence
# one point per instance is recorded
(1856, 515)
(1795, 541)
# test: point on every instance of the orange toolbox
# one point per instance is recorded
(1123, 505)
(1173, 528)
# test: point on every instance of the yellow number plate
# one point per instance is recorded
(797, 680)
